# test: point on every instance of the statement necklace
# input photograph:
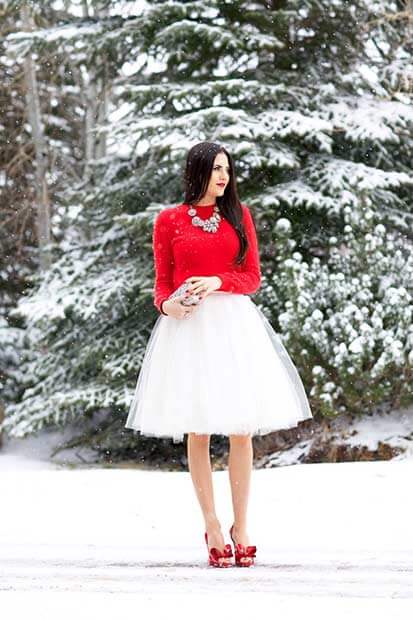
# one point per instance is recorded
(209, 225)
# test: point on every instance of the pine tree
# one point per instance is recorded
(299, 94)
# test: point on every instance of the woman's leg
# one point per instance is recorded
(240, 467)
(199, 463)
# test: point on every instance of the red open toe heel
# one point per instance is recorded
(244, 555)
(214, 554)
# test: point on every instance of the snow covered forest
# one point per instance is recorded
(100, 101)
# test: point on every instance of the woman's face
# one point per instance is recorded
(219, 178)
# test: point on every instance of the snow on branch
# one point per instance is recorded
(370, 119)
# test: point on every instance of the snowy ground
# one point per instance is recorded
(393, 429)
(332, 540)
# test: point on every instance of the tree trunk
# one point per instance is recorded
(97, 101)
(103, 90)
(40, 148)
(102, 115)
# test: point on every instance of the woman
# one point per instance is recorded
(219, 366)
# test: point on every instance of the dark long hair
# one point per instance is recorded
(199, 164)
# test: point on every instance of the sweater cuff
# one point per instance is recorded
(226, 283)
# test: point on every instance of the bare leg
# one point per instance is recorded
(199, 463)
(240, 466)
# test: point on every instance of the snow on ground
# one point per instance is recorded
(332, 540)
(394, 429)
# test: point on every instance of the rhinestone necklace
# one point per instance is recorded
(209, 225)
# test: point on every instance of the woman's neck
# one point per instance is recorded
(205, 204)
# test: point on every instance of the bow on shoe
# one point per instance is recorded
(246, 552)
(227, 551)
(216, 553)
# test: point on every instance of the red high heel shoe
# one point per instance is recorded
(244, 555)
(214, 554)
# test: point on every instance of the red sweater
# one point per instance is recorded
(182, 250)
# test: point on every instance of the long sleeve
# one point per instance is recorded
(163, 260)
(248, 280)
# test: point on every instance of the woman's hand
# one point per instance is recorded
(200, 285)
(173, 307)
(204, 285)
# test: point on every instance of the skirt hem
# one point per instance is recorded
(178, 437)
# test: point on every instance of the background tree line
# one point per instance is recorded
(100, 102)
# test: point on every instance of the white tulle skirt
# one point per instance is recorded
(223, 370)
